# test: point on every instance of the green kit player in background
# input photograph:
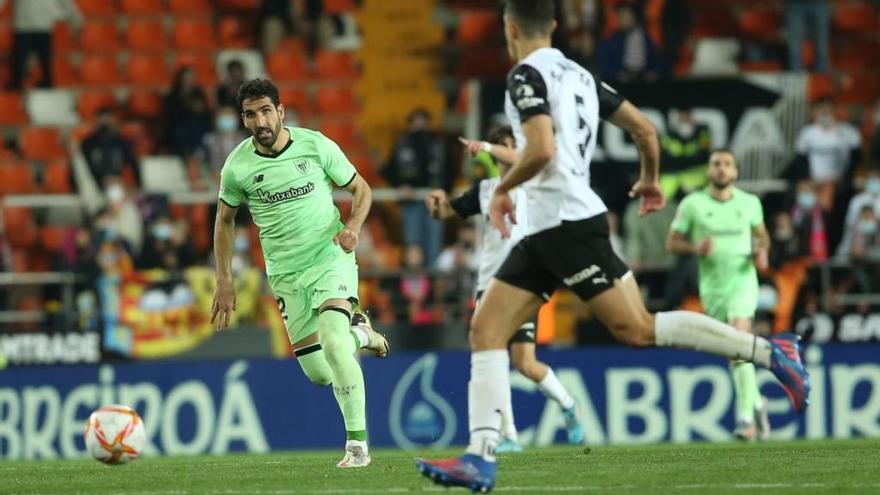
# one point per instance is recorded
(724, 226)
(286, 176)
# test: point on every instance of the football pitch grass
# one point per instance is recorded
(804, 467)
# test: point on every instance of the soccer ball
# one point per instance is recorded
(114, 434)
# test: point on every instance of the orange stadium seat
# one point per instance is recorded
(201, 62)
(97, 8)
(336, 100)
(190, 7)
(234, 32)
(99, 36)
(52, 238)
(238, 5)
(62, 72)
(854, 18)
(90, 101)
(62, 39)
(338, 6)
(292, 46)
(298, 100)
(146, 35)
(56, 177)
(145, 104)
(6, 37)
(194, 34)
(852, 56)
(148, 70)
(859, 88)
(760, 23)
(41, 143)
(99, 70)
(19, 227)
(12, 110)
(335, 65)
(16, 178)
(477, 26)
(342, 132)
(285, 66)
(141, 7)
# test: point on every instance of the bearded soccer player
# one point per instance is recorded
(724, 227)
(286, 176)
(554, 106)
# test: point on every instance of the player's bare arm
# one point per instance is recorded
(362, 200)
(540, 148)
(224, 293)
(678, 243)
(502, 153)
(643, 133)
(438, 205)
(762, 247)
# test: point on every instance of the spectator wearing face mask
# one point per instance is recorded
(864, 254)
(108, 153)
(227, 134)
(870, 198)
(123, 214)
(166, 247)
(809, 222)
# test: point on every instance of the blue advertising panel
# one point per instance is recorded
(420, 400)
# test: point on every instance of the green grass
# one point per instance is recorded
(804, 467)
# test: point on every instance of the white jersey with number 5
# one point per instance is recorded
(547, 83)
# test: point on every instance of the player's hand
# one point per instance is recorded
(761, 260)
(651, 194)
(223, 306)
(433, 201)
(471, 146)
(347, 239)
(704, 247)
(501, 208)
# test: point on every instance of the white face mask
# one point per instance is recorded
(867, 227)
(806, 200)
(115, 193)
(686, 129)
(872, 186)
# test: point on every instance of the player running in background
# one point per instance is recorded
(493, 250)
(724, 226)
(286, 176)
(554, 106)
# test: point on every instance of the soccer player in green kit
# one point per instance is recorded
(286, 176)
(724, 226)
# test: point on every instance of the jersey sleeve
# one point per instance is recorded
(683, 220)
(757, 214)
(230, 189)
(609, 99)
(335, 163)
(468, 203)
(528, 92)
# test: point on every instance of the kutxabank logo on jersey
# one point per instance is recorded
(289, 195)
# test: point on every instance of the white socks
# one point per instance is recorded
(361, 335)
(553, 389)
(488, 395)
(699, 332)
(508, 426)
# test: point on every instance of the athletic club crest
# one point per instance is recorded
(303, 166)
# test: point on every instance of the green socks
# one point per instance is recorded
(338, 348)
(746, 386)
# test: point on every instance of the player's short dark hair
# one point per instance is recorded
(534, 17)
(256, 89)
(724, 150)
(499, 134)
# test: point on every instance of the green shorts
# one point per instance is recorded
(739, 301)
(299, 295)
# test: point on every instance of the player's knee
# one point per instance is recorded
(319, 379)
(634, 331)
(480, 337)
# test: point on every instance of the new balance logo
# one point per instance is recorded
(258, 178)
(343, 288)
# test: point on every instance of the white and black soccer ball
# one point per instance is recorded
(114, 434)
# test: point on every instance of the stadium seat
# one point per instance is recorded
(193, 34)
(859, 88)
(141, 7)
(342, 132)
(163, 174)
(760, 23)
(150, 70)
(190, 7)
(56, 177)
(477, 26)
(12, 109)
(235, 32)
(336, 100)
(97, 8)
(254, 64)
(146, 35)
(338, 6)
(16, 178)
(63, 74)
(854, 17)
(852, 56)
(90, 101)
(19, 228)
(201, 62)
(52, 238)
(62, 39)
(335, 65)
(145, 104)
(52, 107)
(292, 45)
(100, 36)
(285, 67)
(298, 100)
(239, 6)
(6, 37)
(40, 143)
(99, 70)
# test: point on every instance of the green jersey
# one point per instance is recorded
(729, 224)
(290, 197)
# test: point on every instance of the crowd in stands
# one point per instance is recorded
(832, 210)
